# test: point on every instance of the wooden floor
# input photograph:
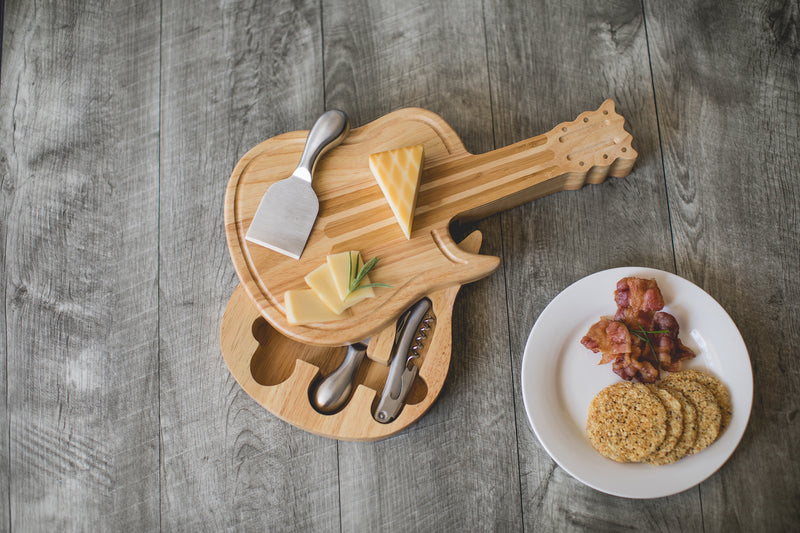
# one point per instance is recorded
(120, 123)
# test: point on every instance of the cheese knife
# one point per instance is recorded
(289, 208)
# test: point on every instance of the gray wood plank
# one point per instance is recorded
(456, 468)
(233, 74)
(6, 193)
(116, 409)
(548, 63)
(79, 146)
(725, 77)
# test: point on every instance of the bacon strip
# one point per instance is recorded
(620, 340)
(611, 338)
(637, 301)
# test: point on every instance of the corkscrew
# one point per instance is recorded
(415, 325)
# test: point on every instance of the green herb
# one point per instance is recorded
(644, 335)
(357, 277)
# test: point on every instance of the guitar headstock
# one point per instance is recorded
(595, 143)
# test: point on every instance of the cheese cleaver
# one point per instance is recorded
(289, 208)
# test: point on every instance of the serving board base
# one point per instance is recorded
(278, 372)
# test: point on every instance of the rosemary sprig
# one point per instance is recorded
(644, 335)
(357, 277)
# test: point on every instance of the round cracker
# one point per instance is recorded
(689, 435)
(674, 425)
(709, 416)
(626, 422)
(718, 389)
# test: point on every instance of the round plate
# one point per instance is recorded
(560, 377)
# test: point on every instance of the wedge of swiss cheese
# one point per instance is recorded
(398, 174)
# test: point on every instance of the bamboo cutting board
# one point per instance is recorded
(354, 214)
(279, 373)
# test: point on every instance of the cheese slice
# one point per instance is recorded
(327, 298)
(305, 307)
(398, 174)
(321, 282)
(340, 265)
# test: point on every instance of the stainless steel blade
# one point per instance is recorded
(286, 214)
(285, 217)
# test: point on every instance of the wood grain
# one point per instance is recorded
(279, 373)
(455, 469)
(735, 210)
(119, 126)
(591, 51)
(6, 190)
(79, 152)
(455, 185)
(233, 73)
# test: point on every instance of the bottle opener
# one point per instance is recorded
(415, 324)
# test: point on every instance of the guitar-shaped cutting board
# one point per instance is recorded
(354, 214)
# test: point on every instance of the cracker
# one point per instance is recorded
(718, 389)
(689, 436)
(709, 416)
(674, 426)
(626, 422)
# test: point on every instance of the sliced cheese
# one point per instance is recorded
(340, 265)
(327, 297)
(321, 282)
(398, 175)
(305, 307)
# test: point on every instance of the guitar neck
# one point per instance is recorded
(586, 150)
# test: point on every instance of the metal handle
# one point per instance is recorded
(333, 391)
(328, 131)
(402, 370)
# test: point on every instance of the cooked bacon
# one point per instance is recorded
(639, 364)
(611, 338)
(631, 356)
(623, 341)
(629, 367)
(669, 348)
(664, 343)
(637, 301)
(681, 354)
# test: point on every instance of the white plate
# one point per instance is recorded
(560, 377)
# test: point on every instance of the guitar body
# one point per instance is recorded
(354, 214)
